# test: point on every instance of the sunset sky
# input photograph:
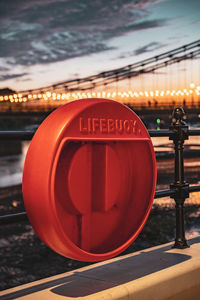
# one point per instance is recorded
(47, 41)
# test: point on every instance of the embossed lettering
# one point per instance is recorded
(111, 127)
(119, 126)
(81, 126)
(89, 125)
(133, 126)
(115, 126)
(103, 126)
(95, 124)
(127, 126)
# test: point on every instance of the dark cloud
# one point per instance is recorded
(147, 48)
(7, 76)
(3, 69)
(48, 30)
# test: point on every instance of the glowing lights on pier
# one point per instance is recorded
(123, 96)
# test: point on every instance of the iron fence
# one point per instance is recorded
(179, 190)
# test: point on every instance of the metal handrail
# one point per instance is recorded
(179, 190)
(28, 135)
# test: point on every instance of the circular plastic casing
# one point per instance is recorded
(89, 179)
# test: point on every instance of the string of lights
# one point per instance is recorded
(193, 90)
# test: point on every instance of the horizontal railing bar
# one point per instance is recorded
(163, 193)
(13, 218)
(195, 188)
(159, 133)
(17, 135)
(193, 132)
(28, 135)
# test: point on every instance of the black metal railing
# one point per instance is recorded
(179, 190)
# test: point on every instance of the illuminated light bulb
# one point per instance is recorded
(29, 96)
(73, 95)
(185, 90)
(141, 93)
(114, 94)
(108, 94)
(48, 94)
(98, 95)
(146, 94)
(16, 100)
(39, 96)
(93, 94)
(191, 91)
(192, 85)
(24, 99)
(58, 96)
(84, 95)
(157, 93)
(15, 96)
(20, 99)
(34, 96)
(5, 97)
(11, 100)
(1, 98)
(151, 93)
(136, 94)
(20, 95)
(119, 93)
(162, 93)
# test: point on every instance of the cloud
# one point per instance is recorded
(144, 49)
(3, 69)
(48, 30)
(9, 76)
(148, 48)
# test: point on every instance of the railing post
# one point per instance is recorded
(181, 188)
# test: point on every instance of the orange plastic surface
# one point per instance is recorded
(89, 179)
